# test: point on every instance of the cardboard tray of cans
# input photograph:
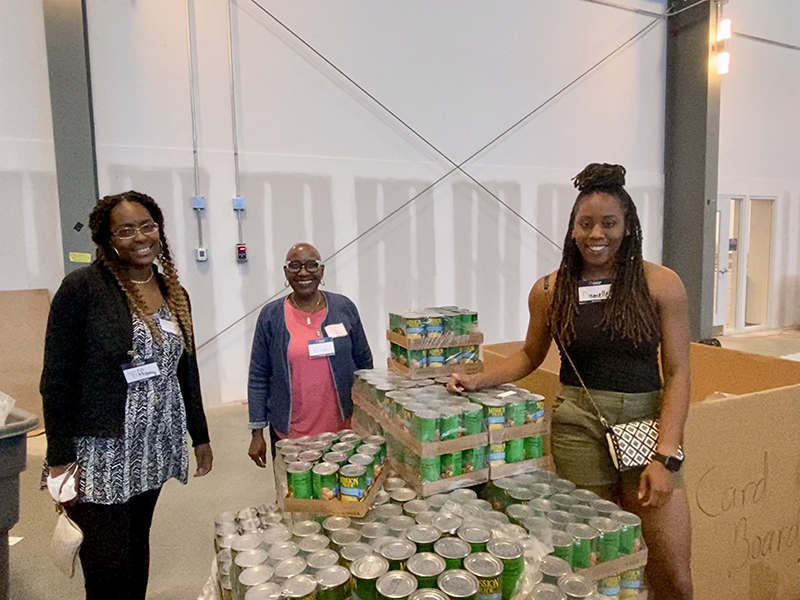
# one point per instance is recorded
(431, 372)
(448, 340)
(637, 560)
(339, 508)
(407, 439)
(442, 486)
(518, 468)
(497, 436)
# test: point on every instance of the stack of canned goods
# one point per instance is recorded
(583, 529)
(439, 328)
(332, 466)
(431, 414)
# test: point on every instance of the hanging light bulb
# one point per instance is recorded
(724, 30)
(723, 62)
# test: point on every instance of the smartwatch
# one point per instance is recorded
(672, 463)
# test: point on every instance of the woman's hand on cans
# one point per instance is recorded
(258, 448)
(204, 458)
(460, 382)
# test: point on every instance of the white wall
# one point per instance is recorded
(320, 162)
(30, 231)
(759, 133)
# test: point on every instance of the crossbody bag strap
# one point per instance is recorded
(600, 416)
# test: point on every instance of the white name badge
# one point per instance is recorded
(141, 372)
(336, 330)
(593, 291)
(321, 347)
(168, 326)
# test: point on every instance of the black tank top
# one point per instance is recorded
(606, 360)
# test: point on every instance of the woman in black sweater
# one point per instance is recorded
(121, 388)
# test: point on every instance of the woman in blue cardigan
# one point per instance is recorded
(306, 348)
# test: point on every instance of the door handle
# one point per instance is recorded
(722, 271)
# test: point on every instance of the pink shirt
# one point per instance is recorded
(315, 405)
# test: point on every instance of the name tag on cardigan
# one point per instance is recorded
(336, 330)
(321, 347)
(142, 372)
(593, 291)
(168, 326)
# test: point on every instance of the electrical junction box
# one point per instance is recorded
(238, 203)
(201, 254)
(241, 253)
(198, 203)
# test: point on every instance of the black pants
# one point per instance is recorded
(115, 554)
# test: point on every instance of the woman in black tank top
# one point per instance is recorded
(611, 313)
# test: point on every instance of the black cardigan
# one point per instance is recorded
(89, 335)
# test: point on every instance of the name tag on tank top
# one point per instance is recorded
(168, 326)
(321, 347)
(593, 291)
(142, 372)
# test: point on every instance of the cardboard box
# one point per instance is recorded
(742, 469)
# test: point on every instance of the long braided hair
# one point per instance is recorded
(178, 303)
(629, 311)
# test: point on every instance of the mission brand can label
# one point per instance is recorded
(366, 461)
(534, 408)
(534, 447)
(298, 478)
(609, 586)
(488, 570)
(496, 455)
(515, 411)
(353, 482)
(511, 555)
(325, 481)
(630, 584)
(435, 357)
(494, 411)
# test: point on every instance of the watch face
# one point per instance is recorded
(673, 463)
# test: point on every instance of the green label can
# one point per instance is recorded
(470, 354)
(452, 324)
(452, 464)
(562, 545)
(333, 583)
(380, 441)
(434, 326)
(494, 411)
(534, 408)
(430, 468)
(352, 482)
(435, 357)
(452, 355)
(515, 411)
(608, 538)
(449, 423)
(298, 478)
(325, 481)
(472, 419)
(426, 425)
(609, 586)
(366, 571)
(453, 551)
(584, 554)
(426, 567)
(515, 450)
(473, 459)
(476, 536)
(488, 570)
(496, 454)
(630, 534)
(630, 584)
(534, 447)
(417, 358)
(366, 461)
(511, 555)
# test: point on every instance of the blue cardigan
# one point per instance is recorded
(269, 389)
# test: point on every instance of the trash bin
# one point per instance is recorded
(13, 446)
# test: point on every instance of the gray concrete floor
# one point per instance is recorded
(181, 538)
(183, 526)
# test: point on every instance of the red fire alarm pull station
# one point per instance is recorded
(241, 253)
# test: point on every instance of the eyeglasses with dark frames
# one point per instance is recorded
(295, 266)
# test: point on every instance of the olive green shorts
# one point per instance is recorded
(580, 449)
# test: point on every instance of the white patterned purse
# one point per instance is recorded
(633, 444)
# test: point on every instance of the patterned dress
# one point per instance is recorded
(154, 447)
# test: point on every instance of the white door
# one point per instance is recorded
(728, 281)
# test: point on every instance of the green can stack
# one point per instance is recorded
(511, 555)
(534, 447)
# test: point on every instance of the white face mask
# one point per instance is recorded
(62, 488)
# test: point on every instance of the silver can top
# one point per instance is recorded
(393, 483)
(402, 494)
(342, 537)
(423, 534)
(458, 583)
(298, 467)
(264, 591)
(352, 470)
(483, 564)
(306, 528)
(482, 505)
(437, 501)
(447, 523)
(333, 577)
(545, 591)
(255, 575)
(334, 457)
(398, 550)
(474, 534)
(387, 511)
(575, 586)
(363, 460)
(553, 566)
(381, 498)
(310, 456)
(396, 585)
(626, 519)
(581, 532)
(602, 524)
(400, 524)
(368, 449)
(352, 552)
(322, 559)
(336, 523)
(326, 468)
(373, 531)
(313, 543)
(299, 586)
(376, 440)
(428, 594)
(426, 517)
(451, 547)
(276, 533)
(462, 495)
(378, 543)
(251, 558)
(283, 550)
(426, 564)
(369, 567)
(289, 567)
(247, 541)
(504, 549)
